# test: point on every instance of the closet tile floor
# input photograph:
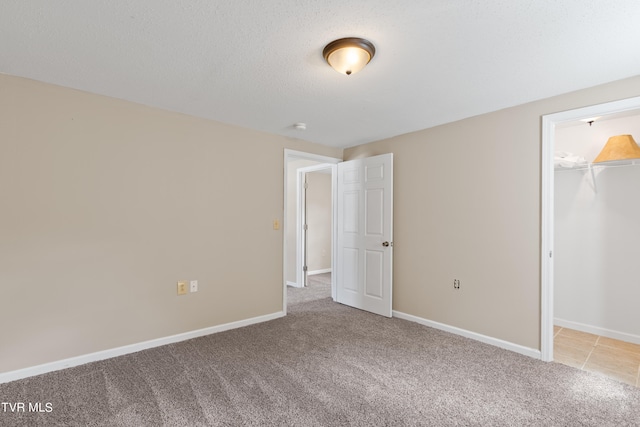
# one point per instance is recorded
(617, 359)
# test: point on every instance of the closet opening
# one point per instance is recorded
(589, 218)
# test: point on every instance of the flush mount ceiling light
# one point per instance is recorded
(349, 55)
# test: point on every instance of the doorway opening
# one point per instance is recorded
(314, 222)
(549, 124)
(296, 165)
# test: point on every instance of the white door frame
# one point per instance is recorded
(549, 123)
(301, 214)
(290, 155)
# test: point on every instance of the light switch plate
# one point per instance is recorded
(182, 288)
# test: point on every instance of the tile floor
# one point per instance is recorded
(617, 359)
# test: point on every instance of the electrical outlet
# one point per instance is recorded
(456, 284)
(182, 288)
(276, 224)
(194, 286)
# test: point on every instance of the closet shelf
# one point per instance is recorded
(591, 167)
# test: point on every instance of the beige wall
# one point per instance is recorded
(106, 204)
(467, 206)
(319, 221)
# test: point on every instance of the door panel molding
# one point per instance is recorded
(365, 226)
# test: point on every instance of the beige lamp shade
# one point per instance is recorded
(620, 147)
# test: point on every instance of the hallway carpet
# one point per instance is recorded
(318, 287)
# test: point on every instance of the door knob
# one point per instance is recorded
(385, 244)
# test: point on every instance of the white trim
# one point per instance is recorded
(322, 271)
(294, 284)
(546, 244)
(334, 229)
(295, 155)
(549, 123)
(596, 330)
(531, 352)
(132, 348)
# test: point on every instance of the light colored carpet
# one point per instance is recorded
(325, 365)
(318, 287)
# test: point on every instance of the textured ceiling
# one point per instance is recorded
(258, 64)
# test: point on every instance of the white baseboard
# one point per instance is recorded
(324, 270)
(531, 352)
(6, 377)
(293, 284)
(596, 330)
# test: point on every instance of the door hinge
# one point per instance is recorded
(306, 186)
(304, 268)
(305, 227)
(550, 254)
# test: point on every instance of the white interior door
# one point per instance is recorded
(365, 234)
